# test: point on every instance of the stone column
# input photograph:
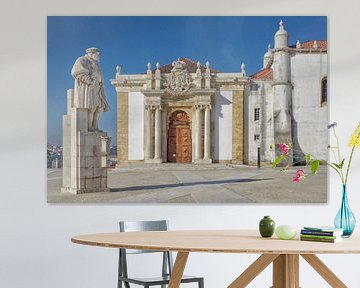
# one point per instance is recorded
(207, 137)
(147, 133)
(197, 133)
(158, 133)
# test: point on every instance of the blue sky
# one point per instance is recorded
(132, 42)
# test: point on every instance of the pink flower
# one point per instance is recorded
(299, 175)
(284, 148)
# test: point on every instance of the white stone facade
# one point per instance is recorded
(229, 115)
(291, 79)
(310, 116)
(222, 113)
(136, 124)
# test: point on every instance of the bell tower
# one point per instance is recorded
(282, 90)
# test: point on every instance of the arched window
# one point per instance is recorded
(323, 91)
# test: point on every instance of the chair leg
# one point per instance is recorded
(201, 283)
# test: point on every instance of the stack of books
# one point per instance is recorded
(321, 234)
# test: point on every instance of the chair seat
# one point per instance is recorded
(158, 280)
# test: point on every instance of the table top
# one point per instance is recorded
(216, 241)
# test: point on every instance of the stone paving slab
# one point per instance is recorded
(213, 183)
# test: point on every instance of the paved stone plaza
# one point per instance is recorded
(189, 183)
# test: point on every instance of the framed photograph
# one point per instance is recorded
(187, 109)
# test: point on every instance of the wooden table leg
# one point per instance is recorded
(286, 271)
(324, 271)
(178, 270)
(253, 270)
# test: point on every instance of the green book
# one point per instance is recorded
(319, 236)
(325, 240)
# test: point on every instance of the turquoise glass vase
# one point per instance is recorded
(345, 219)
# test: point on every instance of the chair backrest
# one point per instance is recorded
(134, 226)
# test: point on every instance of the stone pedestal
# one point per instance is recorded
(84, 153)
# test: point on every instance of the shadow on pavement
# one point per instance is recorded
(151, 187)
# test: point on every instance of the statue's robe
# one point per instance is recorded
(89, 88)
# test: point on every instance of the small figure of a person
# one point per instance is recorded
(89, 87)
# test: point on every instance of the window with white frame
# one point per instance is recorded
(257, 137)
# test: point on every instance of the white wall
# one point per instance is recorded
(255, 100)
(260, 95)
(136, 126)
(35, 236)
(310, 118)
(222, 115)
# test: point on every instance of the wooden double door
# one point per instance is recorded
(179, 145)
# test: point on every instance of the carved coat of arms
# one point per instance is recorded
(180, 80)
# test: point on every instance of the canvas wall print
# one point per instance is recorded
(165, 109)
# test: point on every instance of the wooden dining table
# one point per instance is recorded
(283, 254)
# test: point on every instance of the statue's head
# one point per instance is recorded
(93, 53)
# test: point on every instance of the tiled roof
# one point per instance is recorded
(322, 44)
(191, 67)
(264, 74)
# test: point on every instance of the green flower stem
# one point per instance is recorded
(351, 155)
(333, 152)
(348, 167)
(337, 171)
(339, 161)
(338, 146)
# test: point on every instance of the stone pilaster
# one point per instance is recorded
(197, 132)
(164, 132)
(207, 136)
(158, 133)
(238, 126)
(147, 133)
(123, 126)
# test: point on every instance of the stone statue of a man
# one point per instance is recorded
(89, 88)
